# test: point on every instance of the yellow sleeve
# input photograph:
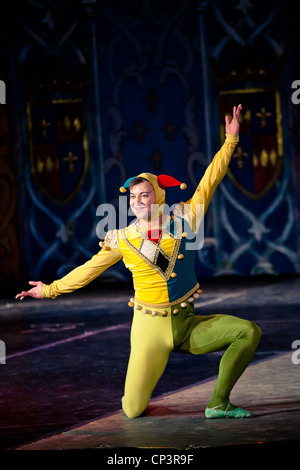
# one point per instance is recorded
(196, 207)
(83, 274)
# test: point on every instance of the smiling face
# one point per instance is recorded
(142, 196)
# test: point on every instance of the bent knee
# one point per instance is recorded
(256, 332)
(253, 332)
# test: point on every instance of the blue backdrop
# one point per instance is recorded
(101, 91)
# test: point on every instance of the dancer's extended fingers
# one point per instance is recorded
(24, 294)
(21, 295)
(238, 110)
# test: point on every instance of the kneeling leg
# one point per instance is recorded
(151, 344)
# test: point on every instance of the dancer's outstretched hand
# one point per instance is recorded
(35, 292)
(233, 126)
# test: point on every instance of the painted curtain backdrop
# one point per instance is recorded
(103, 90)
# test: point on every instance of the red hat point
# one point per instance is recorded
(166, 181)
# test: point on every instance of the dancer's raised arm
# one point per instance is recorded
(196, 207)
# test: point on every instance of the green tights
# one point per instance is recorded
(154, 338)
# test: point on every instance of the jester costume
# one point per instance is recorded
(165, 287)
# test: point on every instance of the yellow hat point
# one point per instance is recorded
(123, 190)
(183, 186)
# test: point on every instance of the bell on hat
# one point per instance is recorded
(166, 181)
(125, 186)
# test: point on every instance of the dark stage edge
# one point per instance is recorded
(268, 388)
(175, 421)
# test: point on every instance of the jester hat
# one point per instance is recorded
(159, 184)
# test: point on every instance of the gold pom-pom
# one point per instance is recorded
(183, 186)
(123, 190)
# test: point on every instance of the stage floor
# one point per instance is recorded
(66, 363)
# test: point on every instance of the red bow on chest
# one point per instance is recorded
(154, 235)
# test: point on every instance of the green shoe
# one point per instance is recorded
(236, 413)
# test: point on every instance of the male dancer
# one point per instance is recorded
(155, 249)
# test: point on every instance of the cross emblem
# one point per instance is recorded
(70, 159)
(156, 158)
(139, 131)
(152, 100)
(239, 154)
(44, 125)
(169, 128)
(263, 115)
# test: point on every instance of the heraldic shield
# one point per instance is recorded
(58, 146)
(257, 161)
